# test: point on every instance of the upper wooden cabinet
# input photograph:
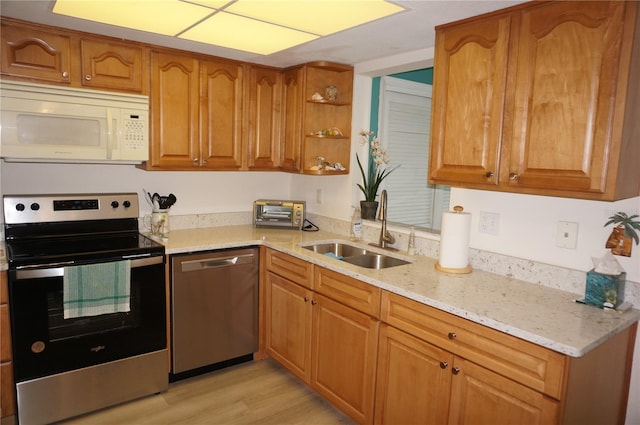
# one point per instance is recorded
(196, 113)
(538, 99)
(265, 97)
(306, 116)
(56, 56)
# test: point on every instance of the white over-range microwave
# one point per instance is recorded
(44, 123)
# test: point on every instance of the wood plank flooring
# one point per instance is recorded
(258, 392)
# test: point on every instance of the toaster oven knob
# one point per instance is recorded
(20, 207)
(35, 206)
(114, 204)
(126, 204)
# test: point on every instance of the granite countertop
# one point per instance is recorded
(539, 314)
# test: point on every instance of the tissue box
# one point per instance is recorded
(605, 290)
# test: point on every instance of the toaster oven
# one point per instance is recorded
(274, 213)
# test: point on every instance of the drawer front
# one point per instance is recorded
(522, 361)
(294, 269)
(348, 291)
(4, 289)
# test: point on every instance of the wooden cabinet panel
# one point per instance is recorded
(288, 325)
(522, 361)
(292, 80)
(540, 99)
(351, 292)
(344, 351)
(34, 54)
(479, 396)
(469, 92)
(294, 269)
(265, 92)
(413, 380)
(7, 398)
(174, 111)
(221, 107)
(108, 65)
(5, 336)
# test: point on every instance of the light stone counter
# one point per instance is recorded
(542, 315)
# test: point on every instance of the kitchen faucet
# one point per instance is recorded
(385, 236)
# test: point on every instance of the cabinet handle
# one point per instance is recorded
(452, 335)
(443, 365)
(87, 77)
(65, 74)
(488, 174)
(196, 160)
(204, 161)
(306, 299)
(455, 370)
(513, 176)
(314, 302)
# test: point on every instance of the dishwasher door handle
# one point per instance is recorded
(215, 262)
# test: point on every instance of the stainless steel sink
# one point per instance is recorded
(356, 255)
(375, 261)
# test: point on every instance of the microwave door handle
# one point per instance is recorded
(110, 134)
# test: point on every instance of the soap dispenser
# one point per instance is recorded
(356, 225)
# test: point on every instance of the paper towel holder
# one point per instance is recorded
(457, 209)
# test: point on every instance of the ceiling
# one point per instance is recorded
(407, 31)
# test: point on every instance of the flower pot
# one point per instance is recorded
(368, 209)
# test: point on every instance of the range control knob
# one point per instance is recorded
(126, 204)
(20, 207)
(114, 204)
(35, 206)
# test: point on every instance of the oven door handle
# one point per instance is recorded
(59, 271)
(210, 263)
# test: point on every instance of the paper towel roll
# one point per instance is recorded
(454, 241)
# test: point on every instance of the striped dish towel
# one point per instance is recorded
(96, 289)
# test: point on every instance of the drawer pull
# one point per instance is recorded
(443, 365)
(314, 302)
(488, 174)
(306, 299)
(455, 370)
(452, 335)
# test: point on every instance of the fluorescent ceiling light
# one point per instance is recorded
(258, 26)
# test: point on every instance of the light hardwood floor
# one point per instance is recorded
(259, 392)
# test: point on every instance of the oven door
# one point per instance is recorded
(45, 343)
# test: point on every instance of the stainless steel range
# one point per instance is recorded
(87, 304)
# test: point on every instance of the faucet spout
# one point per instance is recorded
(386, 238)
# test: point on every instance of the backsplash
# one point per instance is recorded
(428, 245)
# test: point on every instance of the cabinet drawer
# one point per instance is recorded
(5, 334)
(294, 269)
(351, 292)
(522, 361)
(4, 289)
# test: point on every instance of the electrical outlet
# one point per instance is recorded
(489, 223)
(318, 196)
(567, 236)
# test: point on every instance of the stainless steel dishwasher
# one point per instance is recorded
(214, 308)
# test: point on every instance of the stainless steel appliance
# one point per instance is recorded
(214, 309)
(71, 362)
(275, 213)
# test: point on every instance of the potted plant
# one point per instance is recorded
(626, 229)
(375, 174)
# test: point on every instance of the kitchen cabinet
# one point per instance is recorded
(539, 99)
(491, 374)
(314, 330)
(7, 398)
(45, 54)
(196, 113)
(265, 94)
(310, 122)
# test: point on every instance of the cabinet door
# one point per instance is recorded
(111, 65)
(479, 396)
(288, 325)
(565, 95)
(221, 115)
(345, 348)
(174, 112)
(413, 382)
(292, 85)
(264, 118)
(34, 54)
(470, 81)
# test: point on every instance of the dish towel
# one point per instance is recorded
(96, 289)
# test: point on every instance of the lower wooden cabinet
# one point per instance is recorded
(7, 399)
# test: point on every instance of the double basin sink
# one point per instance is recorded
(356, 255)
